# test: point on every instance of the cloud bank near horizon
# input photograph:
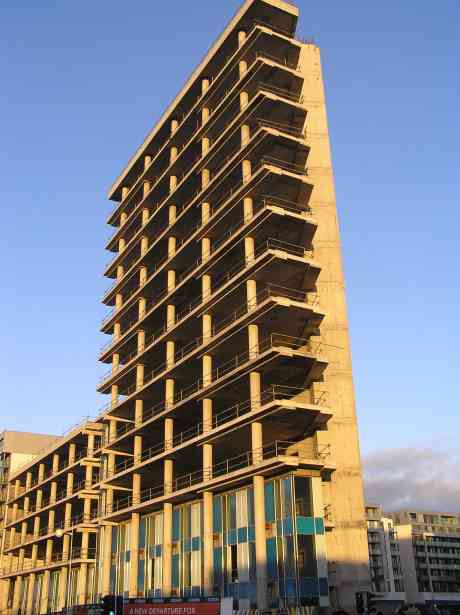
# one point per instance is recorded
(419, 478)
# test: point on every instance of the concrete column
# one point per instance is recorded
(208, 546)
(136, 488)
(88, 476)
(112, 430)
(145, 216)
(255, 389)
(34, 555)
(55, 463)
(245, 135)
(244, 99)
(256, 442)
(139, 412)
(137, 449)
(118, 301)
(139, 376)
(207, 461)
(51, 521)
(143, 275)
(30, 595)
(17, 488)
(83, 576)
(261, 544)
(205, 114)
(45, 592)
(17, 595)
(205, 249)
(116, 331)
(170, 351)
(171, 246)
(120, 272)
(134, 555)
(49, 550)
(207, 327)
(114, 394)
(172, 214)
(206, 288)
(140, 341)
(205, 212)
(62, 589)
(41, 472)
(28, 480)
(36, 526)
(169, 393)
(170, 316)
(123, 218)
(90, 444)
(168, 475)
(26, 505)
(23, 532)
(146, 188)
(171, 280)
(15, 511)
(253, 341)
(248, 209)
(106, 557)
(167, 549)
(68, 514)
(172, 154)
(144, 245)
(174, 126)
(53, 491)
(241, 38)
(207, 370)
(147, 162)
(141, 308)
(207, 415)
(246, 169)
(124, 192)
(72, 453)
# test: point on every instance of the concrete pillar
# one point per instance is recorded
(142, 307)
(112, 430)
(28, 480)
(174, 126)
(88, 476)
(256, 442)
(137, 449)
(144, 245)
(169, 433)
(208, 543)
(253, 341)
(34, 555)
(55, 463)
(30, 595)
(261, 541)
(139, 412)
(207, 327)
(241, 38)
(17, 488)
(136, 488)
(206, 288)
(168, 475)
(83, 576)
(106, 558)
(255, 390)
(207, 461)
(244, 99)
(207, 415)
(26, 505)
(17, 595)
(15, 511)
(116, 331)
(169, 393)
(68, 514)
(114, 394)
(139, 376)
(134, 555)
(41, 472)
(246, 169)
(248, 209)
(62, 588)
(167, 549)
(170, 352)
(72, 453)
(205, 114)
(172, 214)
(51, 521)
(143, 275)
(205, 249)
(124, 192)
(23, 532)
(170, 316)
(146, 188)
(145, 216)
(251, 294)
(147, 162)
(205, 212)
(53, 491)
(171, 280)
(140, 340)
(45, 591)
(245, 135)
(171, 246)
(36, 526)
(207, 370)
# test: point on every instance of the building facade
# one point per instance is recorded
(231, 461)
(430, 556)
(226, 460)
(384, 558)
(50, 527)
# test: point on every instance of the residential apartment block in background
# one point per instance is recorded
(384, 558)
(229, 461)
(430, 556)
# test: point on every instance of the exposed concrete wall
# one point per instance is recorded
(347, 543)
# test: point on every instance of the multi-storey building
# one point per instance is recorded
(384, 558)
(50, 533)
(16, 448)
(430, 556)
(231, 462)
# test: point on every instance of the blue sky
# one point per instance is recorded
(83, 82)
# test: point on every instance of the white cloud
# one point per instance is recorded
(419, 478)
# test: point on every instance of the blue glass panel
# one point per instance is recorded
(196, 543)
(288, 526)
(290, 587)
(157, 550)
(217, 514)
(305, 525)
(175, 570)
(187, 545)
(152, 550)
(279, 528)
(319, 523)
(127, 556)
(269, 502)
(251, 533)
(308, 586)
(323, 586)
(196, 590)
(271, 558)
(243, 590)
(250, 493)
(231, 537)
(176, 524)
(242, 534)
(142, 526)
(217, 566)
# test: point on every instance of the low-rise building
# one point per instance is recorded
(384, 557)
(430, 557)
(50, 534)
